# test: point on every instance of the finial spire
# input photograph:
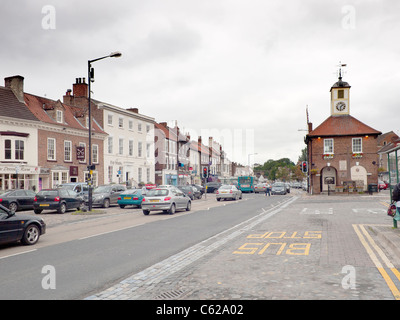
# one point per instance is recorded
(340, 69)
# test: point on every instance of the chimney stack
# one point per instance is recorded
(80, 88)
(134, 110)
(16, 84)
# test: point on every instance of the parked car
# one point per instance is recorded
(278, 188)
(59, 199)
(24, 228)
(261, 187)
(228, 192)
(129, 197)
(200, 188)
(166, 199)
(191, 192)
(107, 194)
(212, 187)
(382, 185)
(80, 188)
(17, 199)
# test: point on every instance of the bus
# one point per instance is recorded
(246, 183)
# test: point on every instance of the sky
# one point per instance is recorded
(241, 71)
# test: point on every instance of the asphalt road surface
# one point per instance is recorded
(87, 256)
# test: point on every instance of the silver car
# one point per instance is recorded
(228, 192)
(166, 199)
(107, 194)
(278, 188)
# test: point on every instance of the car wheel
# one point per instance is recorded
(106, 203)
(81, 206)
(172, 209)
(31, 235)
(13, 206)
(37, 211)
(146, 212)
(62, 208)
(189, 206)
(122, 206)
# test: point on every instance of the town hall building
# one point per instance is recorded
(341, 151)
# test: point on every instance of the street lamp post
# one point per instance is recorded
(251, 154)
(90, 79)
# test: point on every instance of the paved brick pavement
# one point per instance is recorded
(306, 248)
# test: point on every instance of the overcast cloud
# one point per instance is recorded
(244, 68)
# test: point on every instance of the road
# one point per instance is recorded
(279, 247)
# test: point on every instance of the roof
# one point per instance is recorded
(344, 125)
(390, 147)
(340, 84)
(11, 107)
(38, 106)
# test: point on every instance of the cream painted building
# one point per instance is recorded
(129, 147)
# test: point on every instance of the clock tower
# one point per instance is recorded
(340, 97)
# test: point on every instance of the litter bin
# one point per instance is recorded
(372, 187)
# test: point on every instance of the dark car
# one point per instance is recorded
(17, 199)
(24, 228)
(80, 188)
(191, 192)
(57, 199)
(199, 188)
(212, 187)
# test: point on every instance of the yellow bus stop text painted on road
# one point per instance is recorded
(278, 248)
(299, 249)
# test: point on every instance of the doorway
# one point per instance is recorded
(328, 179)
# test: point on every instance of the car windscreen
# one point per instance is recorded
(66, 186)
(53, 193)
(157, 193)
(225, 187)
(102, 189)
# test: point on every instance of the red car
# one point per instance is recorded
(382, 185)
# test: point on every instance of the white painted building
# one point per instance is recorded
(129, 148)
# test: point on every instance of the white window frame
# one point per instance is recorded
(67, 151)
(95, 153)
(130, 149)
(121, 146)
(355, 146)
(110, 144)
(328, 149)
(59, 116)
(110, 119)
(51, 149)
(59, 177)
(140, 149)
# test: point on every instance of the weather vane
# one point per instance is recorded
(341, 65)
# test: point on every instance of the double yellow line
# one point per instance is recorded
(368, 245)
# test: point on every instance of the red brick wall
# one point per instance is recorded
(75, 139)
(343, 151)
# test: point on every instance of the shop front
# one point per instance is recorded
(19, 177)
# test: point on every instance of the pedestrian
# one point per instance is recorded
(267, 191)
(396, 200)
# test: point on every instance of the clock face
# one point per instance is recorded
(340, 106)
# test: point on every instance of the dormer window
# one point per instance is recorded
(59, 116)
